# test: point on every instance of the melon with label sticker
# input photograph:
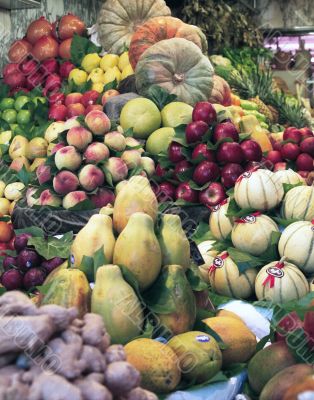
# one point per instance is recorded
(219, 224)
(299, 203)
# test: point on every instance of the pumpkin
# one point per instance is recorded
(161, 28)
(219, 224)
(253, 233)
(226, 279)
(258, 190)
(299, 203)
(178, 66)
(221, 92)
(280, 282)
(297, 245)
(289, 176)
(118, 20)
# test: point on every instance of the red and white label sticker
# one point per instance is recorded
(218, 262)
(274, 273)
(249, 219)
(218, 207)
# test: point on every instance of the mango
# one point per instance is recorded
(179, 293)
(68, 288)
(18, 147)
(157, 363)
(240, 340)
(305, 386)
(115, 300)
(138, 250)
(199, 356)
(174, 245)
(267, 363)
(135, 196)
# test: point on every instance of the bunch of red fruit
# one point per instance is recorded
(297, 147)
(27, 269)
(34, 58)
(215, 170)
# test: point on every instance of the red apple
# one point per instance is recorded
(304, 162)
(181, 167)
(307, 146)
(213, 195)
(50, 66)
(230, 153)
(195, 131)
(289, 323)
(175, 152)
(28, 67)
(90, 97)
(225, 130)
(253, 165)
(252, 150)
(65, 69)
(108, 94)
(58, 112)
(274, 156)
(160, 171)
(73, 98)
(34, 80)
(56, 98)
(15, 79)
(290, 151)
(206, 171)
(74, 110)
(10, 68)
(204, 111)
(184, 192)
(230, 174)
(293, 134)
(202, 150)
(277, 146)
(165, 192)
(280, 166)
(309, 327)
(53, 83)
(93, 107)
(306, 132)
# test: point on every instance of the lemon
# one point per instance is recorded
(123, 60)
(5, 137)
(90, 62)
(2, 187)
(4, 206)
(97, 75)
(127, 71)
(99, 87)
(112, 74)
(78, 76)
(109, 61)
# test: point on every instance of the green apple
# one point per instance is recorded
(24, 117)
(20, 102)
(176, 113)
(9, 116)
(6, 103)
(142, 115)
(159, 140)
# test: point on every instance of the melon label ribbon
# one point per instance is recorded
(274, 272)
(247, 174)
(218, 262)
(248, 219)
(216, 208)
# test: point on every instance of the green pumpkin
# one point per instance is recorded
(178, 66)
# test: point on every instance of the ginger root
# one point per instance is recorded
(115, 353)
(93, 330)
(92, 390)
(62, 317)
(16, 303)
(94, 359)
(53, 387)
(121, 377)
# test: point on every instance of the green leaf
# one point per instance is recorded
(186, 175)
(80, 47)
(202, 233)
(32, 230)
(111, 85)
(244, 260)
(130, 278)
(217, 299)
(99, 259)
(261, 344)
(148, 331)
(87, 266)
(244, 136)
(289, 186)
(272, 253)
(179, 135)
(285, 222)
(135, 171)
(235, 211)
(24, 176)
(108, 176)
(4, 90)
(4, 126)
(160, 96)
(128, 132)
(194, 186)
(83, 206)
(2, 291)
(44, 289)
(196, 282)
(52, 246)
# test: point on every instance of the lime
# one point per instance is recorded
(6, 103)
(9, 116)
(20, 102)
(24, 117)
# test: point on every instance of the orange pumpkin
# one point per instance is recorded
(162, 28)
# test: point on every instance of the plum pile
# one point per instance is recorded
(27, 269)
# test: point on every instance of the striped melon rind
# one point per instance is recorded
(297, 245)
(292, 286)
(228, 281)
(299, 204)
(288, 176)
(219, 224)
(254, 238)
(259, 191)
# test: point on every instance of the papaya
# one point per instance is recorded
(138, 250)
(199, 356)
(306, 386)
(278, 385)
(174, 245)
(115, 300)
(178, 292)
(267, 363)
(68, 288)
(157, 363)
(240, 341)
(18, 147)
(96, 233)
(134, 196)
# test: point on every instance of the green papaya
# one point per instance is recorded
(68, 288)
(172, 288)
(174, 245)
(115, 300)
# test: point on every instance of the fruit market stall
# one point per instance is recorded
(156, 216)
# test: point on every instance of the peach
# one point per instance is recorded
(49, 199)
(79, 137)
(108, 93)
(103, 197)
(115, 141)
(71, 123)
(65, 182)
(148, 165)
(37, 148)
(132, 158)
(68, 158)
(90, 97)
(96, 152)
(131, 142)
(75, 110)
(6, 231)
(93, 107)
(117, 168)
(19, 163)
(73, 98)
(91, 177)
(43, 174)
(55, 147)
(30, 200)
(74, 198)
(98, 122)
